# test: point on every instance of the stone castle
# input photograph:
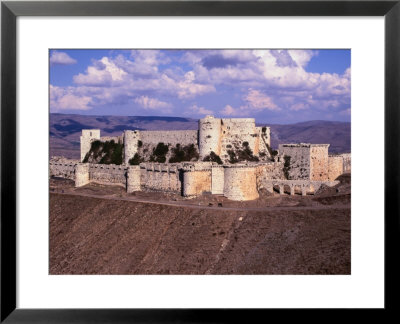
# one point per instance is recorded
(294, 168)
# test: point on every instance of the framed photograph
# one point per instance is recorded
(197, 160)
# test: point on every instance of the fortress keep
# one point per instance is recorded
(295, 168)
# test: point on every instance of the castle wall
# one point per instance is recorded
(107, 174)
(196, 182)
(62, 169)
(88, 135)
(183, 137)
(131, 140)
(196, 178)
(335, 167)
(269, 171)
(299, 160)
(319, 162)
(160, 177)
(346, 162)
(133, 179)
(240, 182)
(217, 180)
(81, 174)
(209, 136)
(116, 139)
(235, 131)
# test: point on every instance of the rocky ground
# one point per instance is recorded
(102, 230)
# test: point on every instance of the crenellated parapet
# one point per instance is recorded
(63, 169)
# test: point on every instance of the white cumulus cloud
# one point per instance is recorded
(196, 110)
(65, 98)
(151, 103)
(61, 58)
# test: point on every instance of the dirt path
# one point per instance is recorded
(186, 205)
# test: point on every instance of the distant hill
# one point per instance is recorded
(65, 130)
(337, 134)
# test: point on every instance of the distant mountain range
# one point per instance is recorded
(65, 130)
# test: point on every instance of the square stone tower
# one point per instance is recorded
(306, 161)
(88, 136)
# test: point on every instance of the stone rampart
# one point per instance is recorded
(183, 137)
(133, 179)
(299, 160)
(81, 174)
(196, 178)
(62, 169)
(240, 182)
(346, 162)
(161, 177)
(236, 131)
(319, 162)
(108, 174)
(269, 171)
(196, 182)
(335, 167)
(217, 179)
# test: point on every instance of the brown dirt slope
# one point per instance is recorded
(104, 236)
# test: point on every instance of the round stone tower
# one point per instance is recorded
(209, 136)
(131, 144)
(240, 182)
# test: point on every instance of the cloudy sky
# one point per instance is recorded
(273, 86)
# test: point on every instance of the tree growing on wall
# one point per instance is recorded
(286, 166)
(212, 158)
(107, 152)
(244, 154)
(159, 153)
(184, 153)
(136, 160)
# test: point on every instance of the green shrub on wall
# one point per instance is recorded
(245, 154)
(212, 158)
(286, 166)
(107, 152)
(159, 153)
(184, 154)
(136, 160)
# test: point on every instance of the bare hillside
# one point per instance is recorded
(99, 230)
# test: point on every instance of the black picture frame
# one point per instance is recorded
(10, 10)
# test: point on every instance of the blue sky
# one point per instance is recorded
(273, 86)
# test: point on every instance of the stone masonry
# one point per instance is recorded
(298, 168)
